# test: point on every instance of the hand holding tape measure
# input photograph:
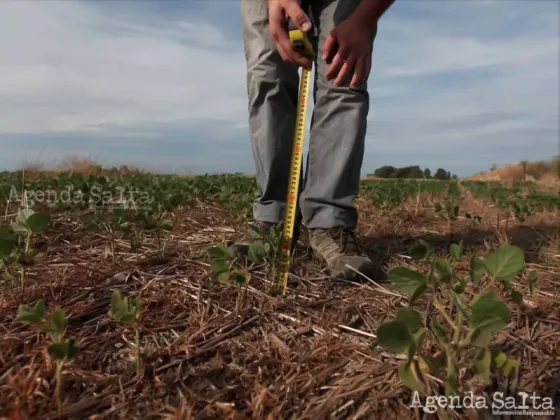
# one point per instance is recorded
(300, 41)
(279, 12)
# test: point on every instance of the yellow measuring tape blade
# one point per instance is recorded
(293, 187)
(297, 37)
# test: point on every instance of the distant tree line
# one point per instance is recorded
(412, 172)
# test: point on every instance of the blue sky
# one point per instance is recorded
(161, 84)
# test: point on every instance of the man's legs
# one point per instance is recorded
(335, 156)
(272, 88)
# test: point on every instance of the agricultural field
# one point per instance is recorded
(120, 300)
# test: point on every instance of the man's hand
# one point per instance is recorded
(279, 12)
(352, 42)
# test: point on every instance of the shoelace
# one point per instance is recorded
(346, 240)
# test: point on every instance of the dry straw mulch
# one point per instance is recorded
(312, 355)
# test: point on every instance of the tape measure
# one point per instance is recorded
(301, 41)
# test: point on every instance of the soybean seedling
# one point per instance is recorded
(226, 264)
(16, 250)
(126, 312)
(156, 222)
(459, 336)
(224, 269)
(60, 349)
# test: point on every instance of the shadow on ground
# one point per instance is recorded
(530, 239)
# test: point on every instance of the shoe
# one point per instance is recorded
(338, 248)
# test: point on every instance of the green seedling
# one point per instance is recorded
(136, 241)
(157, 222)
(267, 248)
(522, 209)
(454, 344)
(16, 250)
(226, 269)
(126, 311)
(60, 349)
(228, 263)
(448, 211)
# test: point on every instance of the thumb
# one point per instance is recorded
(298, 16)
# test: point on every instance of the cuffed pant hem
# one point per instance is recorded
(331, 218)
(269, 212)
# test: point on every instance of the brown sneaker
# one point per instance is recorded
(338, 248)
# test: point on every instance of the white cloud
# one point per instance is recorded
(69, 67)
(467, 85)
(448, 78)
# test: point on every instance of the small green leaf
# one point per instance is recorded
(476, 269)
(218, 251)
(489, 306)
(58, 320)
(417, 293)
(411, 318)
(255, 232)
(500, 359)
(443, 269)
(220, 269)
(482, 365)
(419, 251)
(24, 215)
(506, 365)
(135, 304)
(456, 251)
(122, 309)
(118, 304)
(406, 280)
(31, 314)
(8, 242)
(394, 336)
(505, 263)
(19, 227)
(64, 350)
(125, 317)
(410, 375)
(58, 350)
(257, 252)
(37, 222)
(532, 280)
(7, 233)
(481, 334)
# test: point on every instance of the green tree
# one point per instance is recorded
(410, 172)
(385, 171)
(441, 174)
(427, 173)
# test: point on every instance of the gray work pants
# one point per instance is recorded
(338, 127)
